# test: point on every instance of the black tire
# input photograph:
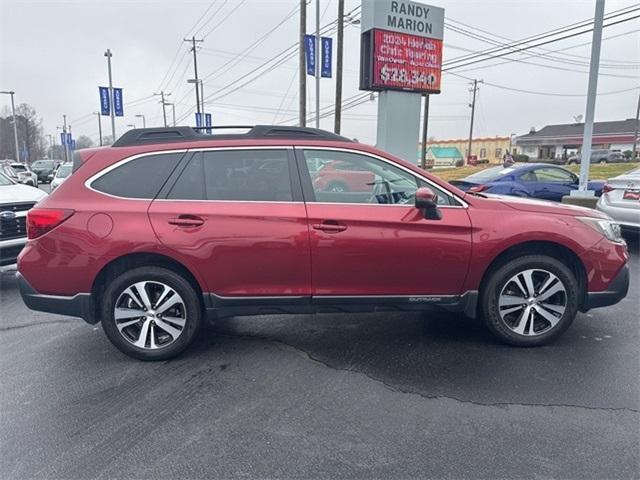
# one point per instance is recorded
(165, 276)
(501, 275)
(337, 187)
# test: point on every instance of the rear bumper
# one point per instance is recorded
(80, 305)
(617, 291)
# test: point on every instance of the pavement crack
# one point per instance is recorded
(33, 324)
(394, 388)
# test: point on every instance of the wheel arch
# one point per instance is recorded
(139, 259)
(541, 247)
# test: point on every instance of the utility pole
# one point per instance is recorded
(338, 106)
(302, 87)
(108, 54)
(594, 65)
(473, 111)
(635, 135)
(99, 126)
(193, 49)
(425, 125)
(164, 104)
(318, 58)
(173, 110)
(15, 123)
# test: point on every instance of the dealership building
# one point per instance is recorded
(562, 141)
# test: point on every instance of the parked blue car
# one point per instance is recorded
(534, 180)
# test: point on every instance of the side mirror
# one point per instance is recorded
(426, 201)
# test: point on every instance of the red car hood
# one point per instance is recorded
(542, 206)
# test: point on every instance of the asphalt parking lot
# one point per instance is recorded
(359, 396)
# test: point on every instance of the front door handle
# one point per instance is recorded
(330, 226)
(186, 221)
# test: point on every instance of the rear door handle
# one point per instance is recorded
(186, 221)
(329, 227)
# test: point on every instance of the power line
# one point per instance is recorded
(550, 33)
(238, 5)
(469, 61)
(604, 61)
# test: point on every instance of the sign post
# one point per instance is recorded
(401, 57)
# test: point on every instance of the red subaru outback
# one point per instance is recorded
(169, 227)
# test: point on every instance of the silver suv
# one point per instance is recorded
(600, 156)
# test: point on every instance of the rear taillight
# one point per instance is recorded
(607, 188)
(43, 220)
(479, 188)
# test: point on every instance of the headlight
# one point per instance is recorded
(608, 228)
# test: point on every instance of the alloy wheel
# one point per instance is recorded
(150, 315)
(532, 302)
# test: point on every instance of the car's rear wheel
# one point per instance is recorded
(151, 313)
(531, 300)
(603, 161)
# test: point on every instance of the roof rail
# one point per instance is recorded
(144, 136)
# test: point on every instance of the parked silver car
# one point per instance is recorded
(621, 200)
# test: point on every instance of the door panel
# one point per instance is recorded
(388, 250)
(237, 217)
(251, 249)
(379, 243)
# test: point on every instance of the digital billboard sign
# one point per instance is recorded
(401, 46)
(405, 62)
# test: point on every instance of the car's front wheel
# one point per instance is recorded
(530, 300)
(151, 313)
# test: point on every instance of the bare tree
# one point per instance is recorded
(84, 142)
(31, 141)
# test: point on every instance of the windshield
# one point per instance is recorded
(489, 174)
(4, 181)
(19, 167)
(63, 171)
(43, 164)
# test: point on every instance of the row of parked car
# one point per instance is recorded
(41, 171)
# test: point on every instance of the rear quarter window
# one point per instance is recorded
(138, 178)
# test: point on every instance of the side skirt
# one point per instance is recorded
(221, 307)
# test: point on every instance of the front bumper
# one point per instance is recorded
(80, 305)
(616, 291)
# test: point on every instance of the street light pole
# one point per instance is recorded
(15, 123)
(64, 130)
(144, 120)
(99, 126)
(108, 54)
(594, 66)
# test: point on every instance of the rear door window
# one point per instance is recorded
(138, 178)
(236, 175)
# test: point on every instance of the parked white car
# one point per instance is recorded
(15, 201)
(25, 175)
(621, 200)
(61, 175)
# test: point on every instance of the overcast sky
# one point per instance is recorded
(51, 54)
